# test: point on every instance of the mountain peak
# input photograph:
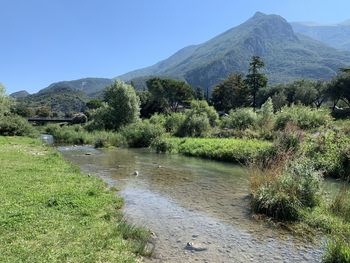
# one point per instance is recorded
(259, 14)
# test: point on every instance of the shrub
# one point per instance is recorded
(74, 134)
(142, 133)
(164, 145)
(281, 192)
(328, 152)
(174, 121)
(195, 125)
(157, 119)
(341, 204)
(337, 251)
(240, 119)
(14, 125)
(302, 117)
(106, 139)
(79, 118)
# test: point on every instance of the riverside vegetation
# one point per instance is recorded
(290, 139)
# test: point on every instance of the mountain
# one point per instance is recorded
(19, 94)
(287, 55)
(61, 100)
(88, 86)
(337, 35)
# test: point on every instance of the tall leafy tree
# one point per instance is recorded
(255, 79)
(122, 106)
(169, 94)
(5, 101)
(231, 93)
(339, 88)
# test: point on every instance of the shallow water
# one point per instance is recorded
(184, 199)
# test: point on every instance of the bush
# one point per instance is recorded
(302, 117)
(14, 125)
(341, 204)
(337, 251)
(240, 119)
(74, 134)
(174, 121)
(195, 125)
(164, 145)
(281, 192)
(157, 119)
(142, 133)
(106, 139)
(328, 151)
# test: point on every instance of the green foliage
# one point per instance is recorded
(158, 119)
(94, 104)
(341, 204)
(169, 94)
(142, 133)
(226, 149)
(5, 101)
(14, 125)
(338, 251)
(174, 121)
(302, 117)
(199, 120)
(231, 93)
(52, 213)
(240, 119)
(255, 80)
(339, 89)
(281, 193)
(327, 150)
(123, 106)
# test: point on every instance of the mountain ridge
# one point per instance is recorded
(287, 55)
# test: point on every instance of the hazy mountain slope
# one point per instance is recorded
(59, 99)
(88, 86)
(337, 36)
(19, 94)
(287, 55)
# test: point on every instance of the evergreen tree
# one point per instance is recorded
(255, 79)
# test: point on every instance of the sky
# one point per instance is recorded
(45, 41)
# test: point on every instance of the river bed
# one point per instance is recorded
(189, 200)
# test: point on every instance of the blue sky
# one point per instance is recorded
(44, 41)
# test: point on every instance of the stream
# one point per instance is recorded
(189, 200)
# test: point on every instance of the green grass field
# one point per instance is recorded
(50, 212)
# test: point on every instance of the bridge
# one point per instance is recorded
(46, 120)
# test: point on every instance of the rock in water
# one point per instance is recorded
(192, 247)
(136, 173)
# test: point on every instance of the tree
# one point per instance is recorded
(199, 93)
(5, 101)
(169, 94)
(339, 89)
(123, 106)
(231, 93)
(43, 111)
(94, 104)
(255, 80)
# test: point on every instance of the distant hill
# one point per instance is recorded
(19, 94)
(61, 100)
(287, 55)
(337, 36)
(88, 86)
(65, 96)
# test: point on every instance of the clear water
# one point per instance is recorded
(185, 200)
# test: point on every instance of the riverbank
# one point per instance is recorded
(50, 212)
(232, 150)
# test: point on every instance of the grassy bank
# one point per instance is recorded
(221, 149)
(50, 212)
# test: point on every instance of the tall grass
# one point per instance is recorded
(221, 149)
